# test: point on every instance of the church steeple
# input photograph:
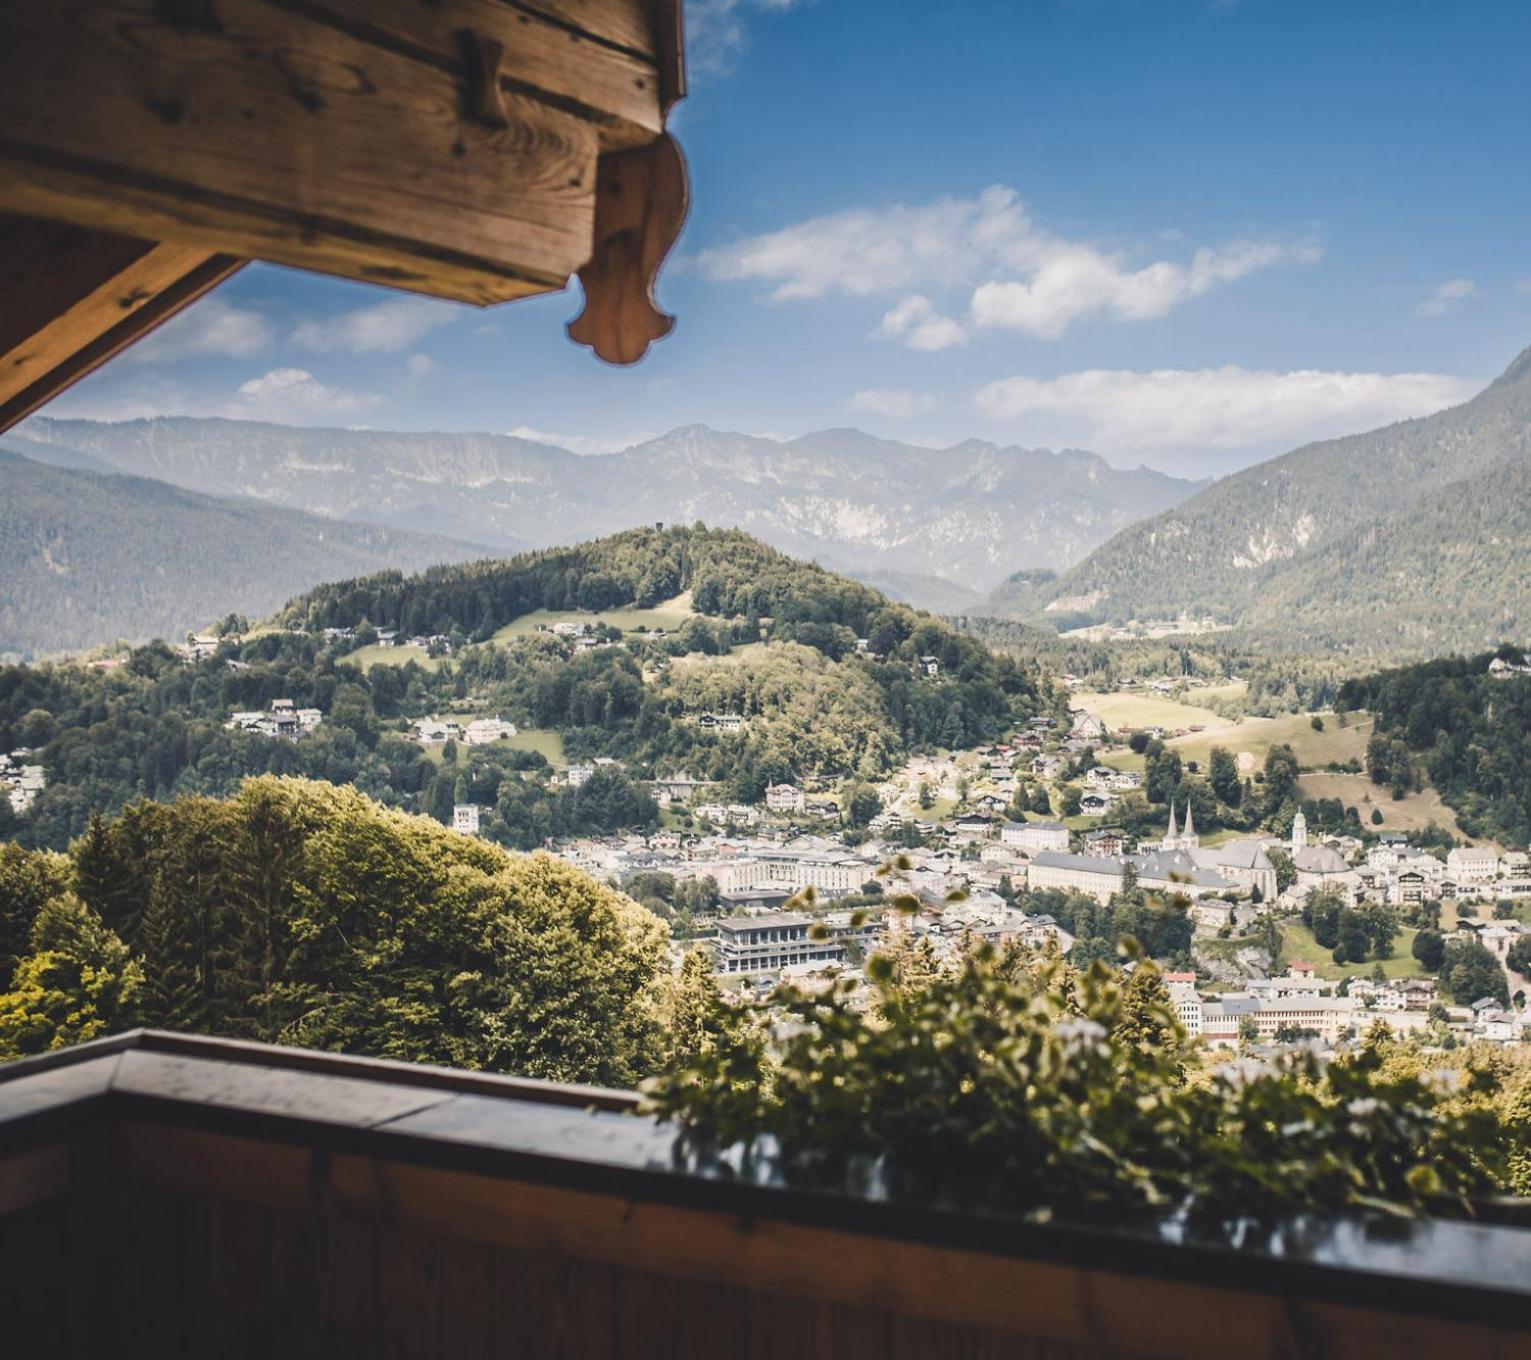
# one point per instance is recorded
(1190, 825)
(1299, 833)
(1174, 831)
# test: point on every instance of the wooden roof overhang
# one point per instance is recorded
(478, 150)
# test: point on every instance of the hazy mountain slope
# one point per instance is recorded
(934, 593)
(1452, 572)
(54, 455)
(88, 558)
(969, 514)
(1221, 551)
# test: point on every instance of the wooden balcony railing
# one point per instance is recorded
(165, 1195)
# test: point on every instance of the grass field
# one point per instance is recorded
(1234, 689)
(1410, 813)
(547, 743)
(1297, 943)
(670, 615)
(1258, 735)
(1126, 709)
(391, 656)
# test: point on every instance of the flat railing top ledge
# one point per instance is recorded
(584, 1138)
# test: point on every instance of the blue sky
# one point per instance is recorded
(1187, 233)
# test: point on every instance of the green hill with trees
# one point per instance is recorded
(771, 639)
(1467, 728)
(1409, 539)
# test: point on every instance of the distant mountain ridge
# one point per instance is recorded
(88, 558)
(969, 514)
(1415, 537)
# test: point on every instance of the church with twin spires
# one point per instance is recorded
(1176, 839)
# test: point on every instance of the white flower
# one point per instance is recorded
(1444, 1081)
(1241, 1072)
(1078, 1035)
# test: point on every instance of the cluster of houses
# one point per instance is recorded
(1300, 1003)
(283, 719)
(476, 732)
(20, 781)
(1394, 872)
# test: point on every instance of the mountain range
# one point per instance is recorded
(1412, 539)
(89, 556)
(935, 526)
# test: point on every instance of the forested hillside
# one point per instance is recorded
(1410, 538)
(267, 916)
(770, 639)
(1467, 727)
(90, 557)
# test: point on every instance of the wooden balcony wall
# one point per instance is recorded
(168, 1196)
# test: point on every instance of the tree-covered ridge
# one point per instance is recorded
(297, 912)
(775, 641)
(1469, 727)
(1410, 537)
(729, 574)
(88, 557)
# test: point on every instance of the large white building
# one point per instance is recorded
(482, 731)
(1187, 1001)
(784, 798)
(828, 874)
(1165, 871)
(1035, 835)
(1473, 864)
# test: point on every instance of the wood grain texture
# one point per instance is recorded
(286, 138)
(71, 298)
(641, 203)
(622, 23)
(580, 1274)
(569, 67)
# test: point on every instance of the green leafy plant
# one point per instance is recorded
(1046, 1087)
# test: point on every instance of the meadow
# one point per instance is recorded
(669, 616)
(391, 656)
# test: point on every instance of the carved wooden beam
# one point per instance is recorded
(71, 298)
(641, 197)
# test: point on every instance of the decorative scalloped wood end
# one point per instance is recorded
(640, 203)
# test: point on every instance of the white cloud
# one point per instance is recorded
(291, 396)
(384, 327)
(1216, 408)
(715, 31)
(580, 443)
(1072, 282)
(295, 395)
(211, 327)
(916, 321)
(1021, 277)
(1443, 297)
(866, 251)
(896, 402)
(419, 366)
